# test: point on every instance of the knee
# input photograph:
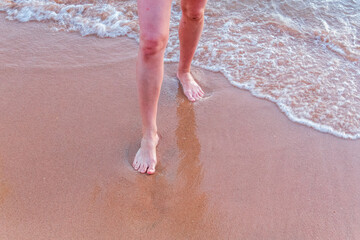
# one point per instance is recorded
(193, 14)
(151, 44)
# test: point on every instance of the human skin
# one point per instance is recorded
(154, 20)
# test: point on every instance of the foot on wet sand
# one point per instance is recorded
(145, 158)
(192, 90)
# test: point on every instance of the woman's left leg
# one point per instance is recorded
(191, 26)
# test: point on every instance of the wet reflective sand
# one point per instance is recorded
(231, 166)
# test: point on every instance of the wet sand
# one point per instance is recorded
(232, 166)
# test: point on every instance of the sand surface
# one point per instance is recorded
(232, 166)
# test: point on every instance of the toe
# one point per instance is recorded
(140, 167)
(201, 92)
(198, 96)
(136, 165)
(145, 167)
(151, 169)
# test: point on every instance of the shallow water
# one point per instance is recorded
(302, 55)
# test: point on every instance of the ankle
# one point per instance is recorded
(150, 136)
(181, 72)
(149, 142)
(184, 77)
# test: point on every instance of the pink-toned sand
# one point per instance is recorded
(231, 166)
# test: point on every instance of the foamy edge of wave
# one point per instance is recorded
(287, 111)
(69, 18)
(283, 108)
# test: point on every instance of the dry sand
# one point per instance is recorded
(231, 166)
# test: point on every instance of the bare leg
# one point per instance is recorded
(154, 18)
(191, 25)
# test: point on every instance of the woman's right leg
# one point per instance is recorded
(154, 19)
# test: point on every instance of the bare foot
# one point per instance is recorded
(191, 89)
(145, 158)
